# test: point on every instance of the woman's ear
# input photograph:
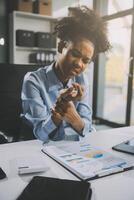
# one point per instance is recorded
(61, 45)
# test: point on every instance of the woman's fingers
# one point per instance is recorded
(80, 91)
(59, 108)
(74, 93)
(66, 94)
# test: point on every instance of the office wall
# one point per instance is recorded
(59, 8)
(3, 32)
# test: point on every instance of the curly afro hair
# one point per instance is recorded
(83, 22)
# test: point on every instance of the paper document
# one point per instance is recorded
(84, 160)
(107, 159)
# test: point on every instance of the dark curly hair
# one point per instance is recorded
(83, 22)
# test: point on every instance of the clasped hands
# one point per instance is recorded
(64, 108)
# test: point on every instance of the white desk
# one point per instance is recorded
(115, 187)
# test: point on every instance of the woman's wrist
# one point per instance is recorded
(77, 123)
(56, 121)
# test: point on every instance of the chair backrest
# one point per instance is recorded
(11, 79)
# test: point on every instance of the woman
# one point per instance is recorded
(53, 112)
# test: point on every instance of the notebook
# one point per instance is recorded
(46, 188)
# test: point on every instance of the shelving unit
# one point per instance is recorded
(30, 22)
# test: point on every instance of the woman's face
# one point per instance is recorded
(75, 57)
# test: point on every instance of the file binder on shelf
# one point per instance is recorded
(87, 162)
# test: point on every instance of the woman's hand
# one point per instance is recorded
(68, 112)
(74, 93)
(56, 117)
(64, 108)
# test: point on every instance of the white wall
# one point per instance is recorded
(60, 7)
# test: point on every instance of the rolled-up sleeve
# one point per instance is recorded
(34, 109)
(86, 114)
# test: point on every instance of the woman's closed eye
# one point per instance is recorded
(77, 54)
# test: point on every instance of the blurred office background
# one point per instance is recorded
(111, 76)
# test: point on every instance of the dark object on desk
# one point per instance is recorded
(3, 139)
(11, 78)
(2, 173)
(45, 188)
(124, 147)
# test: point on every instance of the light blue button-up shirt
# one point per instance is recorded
(39, 94)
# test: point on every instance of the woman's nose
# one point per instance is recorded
(78, 63)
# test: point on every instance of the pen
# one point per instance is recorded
(23, 167)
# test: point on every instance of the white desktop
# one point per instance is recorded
(114, 187)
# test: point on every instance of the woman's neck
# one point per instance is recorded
(59, 73)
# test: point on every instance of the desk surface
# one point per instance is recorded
(115, 187)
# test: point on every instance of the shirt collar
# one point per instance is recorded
(53, 81)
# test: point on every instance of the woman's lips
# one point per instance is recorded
(75, 72)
